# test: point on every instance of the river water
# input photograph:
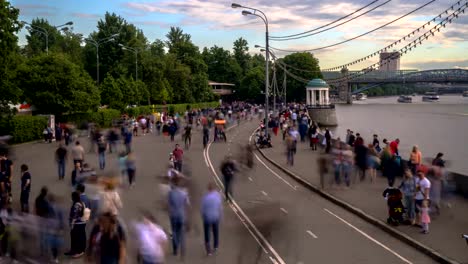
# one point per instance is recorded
(435, 127)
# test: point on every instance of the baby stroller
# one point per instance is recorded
(395, 206)
(264, 141)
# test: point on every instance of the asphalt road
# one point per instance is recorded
(272, 220)
(305, 228)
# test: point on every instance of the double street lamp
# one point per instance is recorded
(135, 51)
(96, 44)
(44, 31)
(261, 15)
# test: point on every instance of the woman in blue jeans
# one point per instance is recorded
(408, 187)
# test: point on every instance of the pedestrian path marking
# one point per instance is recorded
(284, 210)
(274, 173)
(264, 193)
(244, 218)
(369, 237)
(312, 234)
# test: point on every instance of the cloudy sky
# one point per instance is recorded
(214, 22)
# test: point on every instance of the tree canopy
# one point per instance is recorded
(133, 70)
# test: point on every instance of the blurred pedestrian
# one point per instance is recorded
(211, 210)
(423, 187)
(25, 188)
(110, 201)
(152, 240)
(102, 147)
(55, 227)
(178, 201)
(290, 149)
(206, 136)
(408, 187)
(228, 168)
(78, 153)
(328, 138)
(77, 227)
(415, 159)
(178, 157)
(131, 168)
(61, 158)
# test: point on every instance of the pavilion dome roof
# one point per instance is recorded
(317, 83)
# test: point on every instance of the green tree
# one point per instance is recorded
(222, 67)
(55, 85)
(252, 84)
(241, 54)
(111, 94)
(43, 35)
(304, 65)
(9, 57)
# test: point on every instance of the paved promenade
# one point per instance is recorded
(152, 153)
(276, 220)
(445, 230)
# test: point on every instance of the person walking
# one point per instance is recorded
(128, 141)
(290, 149)
(206, 136)
(425, 218)
(25, 188)
(328, 138)
(61, 158)
(110, 201)
(376, 144)
(228, 168)
(313, 135)
(77, 227)
(408, 187)
(131, 168)
(152, 240)
(42, 208)
(102, 147)
(178, 156)
(211, 210)
(6, 176)
(188, 136)
(423, 187)
(415, 159)
(178, 201)
(78, 153)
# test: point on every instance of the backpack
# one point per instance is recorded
(86, 213)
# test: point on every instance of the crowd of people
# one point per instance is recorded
(413, 201)
(97, 232)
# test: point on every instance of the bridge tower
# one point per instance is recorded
(344, 89)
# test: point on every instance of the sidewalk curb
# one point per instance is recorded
(370, 219)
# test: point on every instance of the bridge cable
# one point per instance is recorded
(395, 42)
(278, 38)
(406, 48)
(359, 36)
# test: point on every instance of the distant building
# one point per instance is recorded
(390, 61)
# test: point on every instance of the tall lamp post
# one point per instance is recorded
(267, 55)
(44, 31)
(96, 44)
(135, 51)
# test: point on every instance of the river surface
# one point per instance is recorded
(435, 127)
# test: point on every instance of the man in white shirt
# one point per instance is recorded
(423, 188)
(78, 153)
(152, 241)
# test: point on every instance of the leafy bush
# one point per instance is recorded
(102, 117)
(23, 128)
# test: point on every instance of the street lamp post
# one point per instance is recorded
(135, 51)
(267, 55)
(96, 44)
(45, 32)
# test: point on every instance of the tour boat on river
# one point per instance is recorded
(405, 99)
(465, 94)
(361, 96)
(430, 97)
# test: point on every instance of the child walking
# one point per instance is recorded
(425, 218)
